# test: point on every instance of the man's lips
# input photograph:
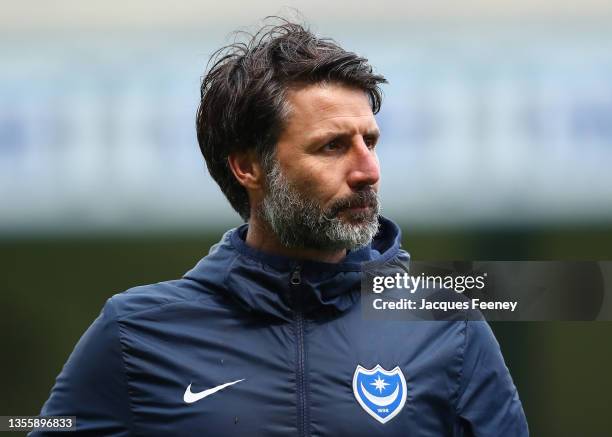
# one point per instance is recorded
(359, 208)
(361, 203)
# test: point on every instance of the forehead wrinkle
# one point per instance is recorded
(335, 121)
(335, 124)
(331, 117)
(324, 113)
(350, 104)
(320, 100)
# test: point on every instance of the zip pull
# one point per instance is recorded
(296, 277)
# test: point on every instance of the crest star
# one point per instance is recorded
(380, 384)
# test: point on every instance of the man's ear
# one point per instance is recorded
(247, 169)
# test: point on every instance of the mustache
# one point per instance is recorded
(360, 199)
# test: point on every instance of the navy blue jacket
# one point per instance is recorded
(252, 344)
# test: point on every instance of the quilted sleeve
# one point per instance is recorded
(92, 384)
(488, 402)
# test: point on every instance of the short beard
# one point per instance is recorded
(300, 222)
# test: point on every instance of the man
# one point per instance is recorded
(265, 336)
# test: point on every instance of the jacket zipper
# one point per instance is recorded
(302, 422)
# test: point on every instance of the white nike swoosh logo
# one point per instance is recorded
(190, 397)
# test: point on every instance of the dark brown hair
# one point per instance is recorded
(242, 104)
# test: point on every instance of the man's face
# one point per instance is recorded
(321, 189)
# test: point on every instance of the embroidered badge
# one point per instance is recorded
(381, 393)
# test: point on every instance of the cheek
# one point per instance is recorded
(322, 181)
(317, 185)
(323, 186)
(331, 186)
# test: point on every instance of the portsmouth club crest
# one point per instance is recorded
(381, 393)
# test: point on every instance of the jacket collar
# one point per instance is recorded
(261, 282)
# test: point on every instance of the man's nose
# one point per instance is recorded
(364, 170)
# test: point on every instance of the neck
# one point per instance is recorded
(260, 236)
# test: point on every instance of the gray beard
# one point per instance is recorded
(300, 222)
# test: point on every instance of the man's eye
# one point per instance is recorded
(332, 145)
(370, 142)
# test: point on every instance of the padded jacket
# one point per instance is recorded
(253, 344)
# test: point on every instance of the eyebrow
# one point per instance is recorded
(319, 138)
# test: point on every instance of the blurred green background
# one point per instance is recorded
(53, 288)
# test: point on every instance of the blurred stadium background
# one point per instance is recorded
(497, 144)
